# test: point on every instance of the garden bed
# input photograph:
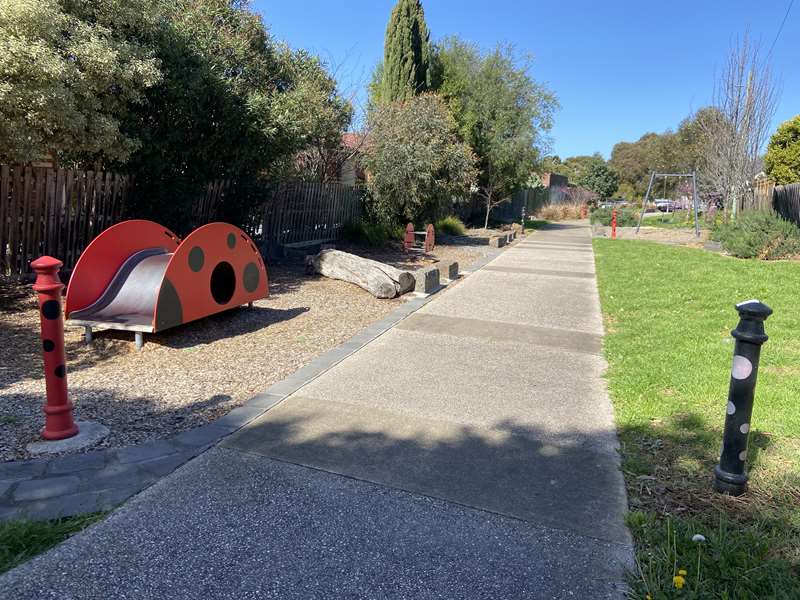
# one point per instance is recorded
(193, 374)
(681, 237)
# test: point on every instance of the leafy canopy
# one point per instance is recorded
(600, 179)
(782, 161)
(69, 73)
(415, 160)
(406, 67)
(500, 110)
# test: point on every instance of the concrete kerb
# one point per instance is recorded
(100, 480)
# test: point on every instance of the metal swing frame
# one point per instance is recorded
(695, 201)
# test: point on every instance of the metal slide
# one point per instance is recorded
(129, 301)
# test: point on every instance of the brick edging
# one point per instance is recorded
(100, 480)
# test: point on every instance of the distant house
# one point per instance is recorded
(350, 172)
(554, 180)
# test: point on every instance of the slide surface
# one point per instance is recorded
(130, 299)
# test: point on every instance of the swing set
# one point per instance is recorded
(695, 201)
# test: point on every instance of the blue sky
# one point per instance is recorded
(619, 69)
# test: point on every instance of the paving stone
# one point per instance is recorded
(39, 489)
(5, 485)
(116, 475)
(427, 280)
(63, 506)
(145, 451)
(78, 462)
(202, 436)
(24, 469)
(167, 464)
(237, 417)
(110, 499)
(264, 400)
(287, 386)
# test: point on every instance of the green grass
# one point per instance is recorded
(535, 223)
(668, 313)
(22, 540)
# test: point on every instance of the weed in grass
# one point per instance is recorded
(22, 540)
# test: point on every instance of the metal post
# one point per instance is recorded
(59, 423)
(614, 224)
(644, 202)
(695, 202)
(139, 337)
(87, 334)
(730, 474)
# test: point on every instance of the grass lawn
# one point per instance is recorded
(668, 313)
(22, 540)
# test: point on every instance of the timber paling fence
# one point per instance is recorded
(786, 202)
(59, 211)
(54, 211)
(301, 211)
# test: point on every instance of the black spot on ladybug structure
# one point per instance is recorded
(251, 277)
(48, 345)
(169, 310)
(231, 241)
(51, 309)
(60, 371)
(197, 259)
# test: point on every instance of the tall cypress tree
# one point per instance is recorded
(406, 53)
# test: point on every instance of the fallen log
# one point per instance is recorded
(380, 280)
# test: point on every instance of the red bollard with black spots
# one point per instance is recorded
(59, 424)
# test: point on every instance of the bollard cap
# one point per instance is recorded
(752, 314)
(45, 264)
(754, 309)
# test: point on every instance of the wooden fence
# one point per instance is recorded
(786, 202)
(301, 211)
(55, 212)
(207, 208)
(59, 211)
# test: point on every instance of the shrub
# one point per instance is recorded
(626, 217)
(371, 234)
(451, 225)
(560, 212)
(759, 234)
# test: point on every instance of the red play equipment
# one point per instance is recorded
(58, 422)
(139, 276)
(410, 243)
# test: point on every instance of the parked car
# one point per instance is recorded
(664, 205)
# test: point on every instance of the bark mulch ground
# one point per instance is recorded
(193, 374)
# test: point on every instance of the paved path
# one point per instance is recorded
(468, 452)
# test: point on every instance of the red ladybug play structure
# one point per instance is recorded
(139, 276)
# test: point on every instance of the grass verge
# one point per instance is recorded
(668, 313)
(22, 540)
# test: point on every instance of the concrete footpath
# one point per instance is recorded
(468, 452)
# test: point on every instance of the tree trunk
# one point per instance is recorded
(488, 209)
(380, 280)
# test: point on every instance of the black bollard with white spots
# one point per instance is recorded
(730, 474)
